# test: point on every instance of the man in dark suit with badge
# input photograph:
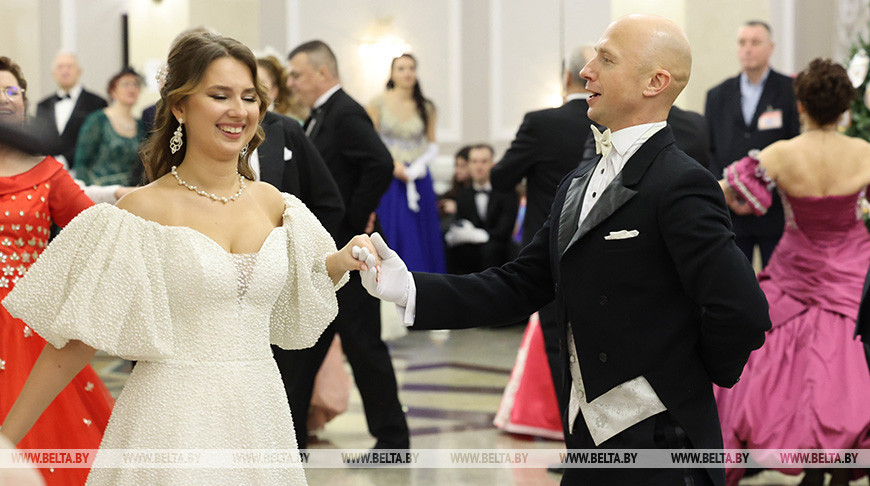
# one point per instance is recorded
(63, 113)
(749, 112)
(362, 167)
(654, 301)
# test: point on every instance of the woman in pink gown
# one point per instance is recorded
(808, 387)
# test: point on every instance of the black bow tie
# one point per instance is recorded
(483, 191)
(65, 96)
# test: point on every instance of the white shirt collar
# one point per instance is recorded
(626, 138)
(744, 79)
(481, 187)
(73, 93)
(322, 99)
(577, 96)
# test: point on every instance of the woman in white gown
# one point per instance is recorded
(193, 276)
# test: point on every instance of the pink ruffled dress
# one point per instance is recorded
(808, 387)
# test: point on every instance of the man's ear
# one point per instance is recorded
(658, 82)
(323, 71)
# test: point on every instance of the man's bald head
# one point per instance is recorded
(642, 63)
(664, 46)
(66, 70)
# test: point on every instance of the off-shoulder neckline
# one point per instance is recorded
(188, 228)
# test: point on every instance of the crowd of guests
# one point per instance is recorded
(367, 170)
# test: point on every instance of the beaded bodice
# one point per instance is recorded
(25, 226)
(406, 139)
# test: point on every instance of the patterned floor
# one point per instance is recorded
(451, 385)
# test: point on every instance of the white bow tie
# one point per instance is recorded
(603, 144)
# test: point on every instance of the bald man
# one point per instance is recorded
(654, 301)
(63, 113)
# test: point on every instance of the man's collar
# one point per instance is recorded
(322, 99)
(623, 139)
(577, 96)
(744, 79)
(73, 93)
(481, 187)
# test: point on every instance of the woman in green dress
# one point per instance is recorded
(107, 151)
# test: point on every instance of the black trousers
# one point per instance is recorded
(660, 431)
(359, 325)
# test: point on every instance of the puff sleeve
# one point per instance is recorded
(307, 303)
(94, 283)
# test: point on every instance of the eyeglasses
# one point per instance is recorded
(12, 92)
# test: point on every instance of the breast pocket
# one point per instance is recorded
(622, 242)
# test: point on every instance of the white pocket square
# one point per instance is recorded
(288, 154)
(622, 235)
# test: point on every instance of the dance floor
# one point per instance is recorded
(450, 384)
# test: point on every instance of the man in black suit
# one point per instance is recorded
(862, 329)
(362, 167)
(548, 145)
(751, 111)
(64, 112)
(654, 300)
(691, 133)
(486, 217)
(289, 161)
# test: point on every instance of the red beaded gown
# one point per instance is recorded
(76, 419)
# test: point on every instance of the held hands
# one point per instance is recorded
(388, 281)
(348, 255)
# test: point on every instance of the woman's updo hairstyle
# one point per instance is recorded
(824, 89)
(190, 56)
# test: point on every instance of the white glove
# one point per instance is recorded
(417, 168)
(390, 281)
(463, 232)
(413, 195)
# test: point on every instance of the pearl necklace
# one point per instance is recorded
(209, 195)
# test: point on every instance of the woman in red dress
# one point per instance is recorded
(34, 193)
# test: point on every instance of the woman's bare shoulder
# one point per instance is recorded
(269, 197)
(150, 202)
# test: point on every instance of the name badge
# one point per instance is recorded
(770, 120)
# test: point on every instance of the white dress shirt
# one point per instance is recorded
(63, 108)
(750, 95)
(481, 199)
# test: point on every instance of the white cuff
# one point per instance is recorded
(408, 313)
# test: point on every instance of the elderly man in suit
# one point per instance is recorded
(548, 145)
(362, 167)
(654, 300)
(751, 111)
(64, 112)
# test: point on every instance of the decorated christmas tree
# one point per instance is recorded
(858, 70)
(858, 74)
